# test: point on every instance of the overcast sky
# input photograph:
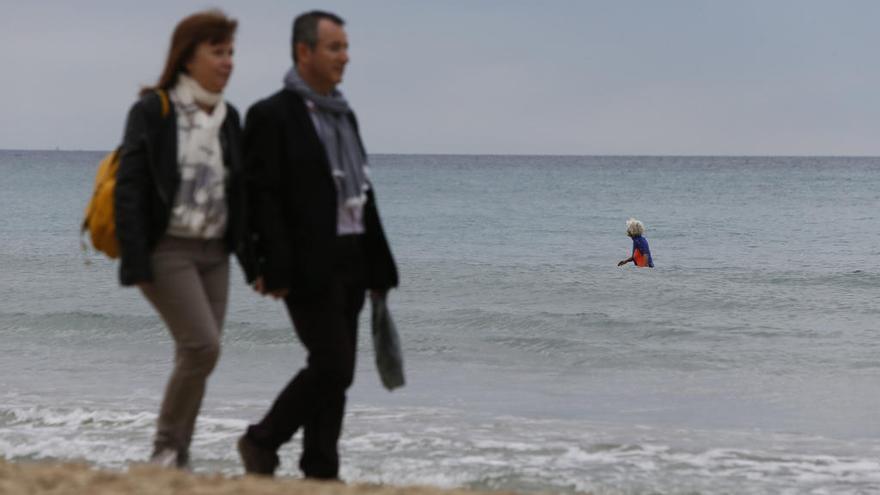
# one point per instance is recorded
(737, 77)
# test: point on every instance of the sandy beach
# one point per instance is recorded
(80, 479)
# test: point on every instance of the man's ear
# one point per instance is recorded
(302, 51)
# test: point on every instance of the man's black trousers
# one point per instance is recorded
(326, 324)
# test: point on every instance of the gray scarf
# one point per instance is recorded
(337, 133)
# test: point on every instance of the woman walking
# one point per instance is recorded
(179, 210)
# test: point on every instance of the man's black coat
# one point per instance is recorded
(292, 202)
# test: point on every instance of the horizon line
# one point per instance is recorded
(610, 155)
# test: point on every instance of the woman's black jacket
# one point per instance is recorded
(148, 180)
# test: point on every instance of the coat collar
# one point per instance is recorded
(298, 111)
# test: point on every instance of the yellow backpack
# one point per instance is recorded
(100, 220)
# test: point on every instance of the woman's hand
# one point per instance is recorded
(260, 286)
(378, 293)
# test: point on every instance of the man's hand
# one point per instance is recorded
(260, 286)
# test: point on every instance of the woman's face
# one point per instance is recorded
(211, 65)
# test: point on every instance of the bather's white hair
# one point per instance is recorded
(634, 227)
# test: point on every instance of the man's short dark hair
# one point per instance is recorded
(305, 28)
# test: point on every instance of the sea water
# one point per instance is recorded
(747, 361)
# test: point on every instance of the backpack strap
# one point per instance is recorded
(163, 97)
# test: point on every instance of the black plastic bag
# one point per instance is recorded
(386, 344)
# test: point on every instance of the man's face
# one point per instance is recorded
(326, 63)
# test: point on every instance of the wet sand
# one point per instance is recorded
(39, 478)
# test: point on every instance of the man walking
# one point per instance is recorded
(319, 241)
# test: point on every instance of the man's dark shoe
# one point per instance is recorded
(256, 459)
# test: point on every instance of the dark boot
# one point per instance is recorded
(256, 459)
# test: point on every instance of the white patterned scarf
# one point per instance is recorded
(199, 209)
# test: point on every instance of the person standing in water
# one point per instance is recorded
(641, 253)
